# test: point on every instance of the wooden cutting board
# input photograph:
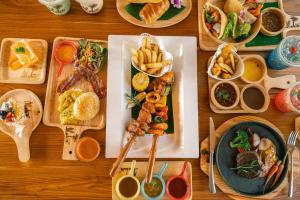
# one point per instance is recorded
(220, 183)
(72, 133)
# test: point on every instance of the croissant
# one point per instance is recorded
(143, 1)
(153, 11)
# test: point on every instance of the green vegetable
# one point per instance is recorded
(241, 140)
(168, 90)
(92, 54)
(248, 167)
(231, 25)
(242, 31)
(210, 19)
(224, 95)
(158, 119)
(20, 50)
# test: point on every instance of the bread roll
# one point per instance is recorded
(151, 12)
(86, 106)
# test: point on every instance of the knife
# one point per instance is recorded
(212, 141)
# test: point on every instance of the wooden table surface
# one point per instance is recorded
(46, 175)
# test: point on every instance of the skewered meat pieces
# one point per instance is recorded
(159, 84)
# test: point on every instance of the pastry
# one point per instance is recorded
(151, 12)
(143, 1)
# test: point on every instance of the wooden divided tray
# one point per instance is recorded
(260, 42)
(267, 83)
(220, 183)
(72, 133)
(26, 75)
(121, 7)
(174, 168)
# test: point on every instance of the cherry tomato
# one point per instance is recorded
(293, 50)
(208, 25)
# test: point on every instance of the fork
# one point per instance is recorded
(291, 146)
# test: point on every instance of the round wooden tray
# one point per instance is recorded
(159, 23)
(204, 161)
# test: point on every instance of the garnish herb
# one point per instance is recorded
(241, 140)
(20, 50)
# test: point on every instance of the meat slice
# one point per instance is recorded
(69, 82)
(245, 158)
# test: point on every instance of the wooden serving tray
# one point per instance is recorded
(26, 75)
(282, 82)
(207, 44)
(121, 4)
(72, 133)
(174, 168)
(204, 160)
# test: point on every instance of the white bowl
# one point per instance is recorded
(166, 56)
(239, 65)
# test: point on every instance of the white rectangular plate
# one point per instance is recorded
(184, 143)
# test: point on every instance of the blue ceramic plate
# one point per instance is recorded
(226, 159)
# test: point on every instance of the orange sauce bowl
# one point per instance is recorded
(87, 149)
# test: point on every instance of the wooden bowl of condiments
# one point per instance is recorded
(273, 21)
(254, 98)
(225, 95)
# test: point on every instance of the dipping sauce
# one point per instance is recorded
(128, 187)
(254, 98)
(66, 53)
(154, 188)
(225, 94)
(295, 97)
(88, 149)
(177, 188)
(253, 70)
(271, 21)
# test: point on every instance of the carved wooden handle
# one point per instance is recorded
(23, 148)
(152, 157)
(72, 136)
(123, 153)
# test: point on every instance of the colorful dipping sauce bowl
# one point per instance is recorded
(158, 176)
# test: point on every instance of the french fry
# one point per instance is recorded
(135, 59)
(143, 46)
(140, 58)
(148, 43)
(220, 59)
(159, 64)
(154, 56)
(145, 56)
(153, 70)
(155, 49)
(227, 61)
(148, 54)
(143, 67)
(232, 61)
(159, 57)
(226, 68)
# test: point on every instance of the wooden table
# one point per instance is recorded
(46, 175)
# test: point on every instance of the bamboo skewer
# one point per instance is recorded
(152, 157)
(123, 153)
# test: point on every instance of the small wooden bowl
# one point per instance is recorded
(88, 141)
(266, 98)
(262, 65)
(255, 28)
(214, 100)
(282, 17)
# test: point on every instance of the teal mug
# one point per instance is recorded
(156, 179)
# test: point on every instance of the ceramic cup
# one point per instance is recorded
(179, 178)
(159, 177)
(128, 178)
(91, 6)
(57, 7)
